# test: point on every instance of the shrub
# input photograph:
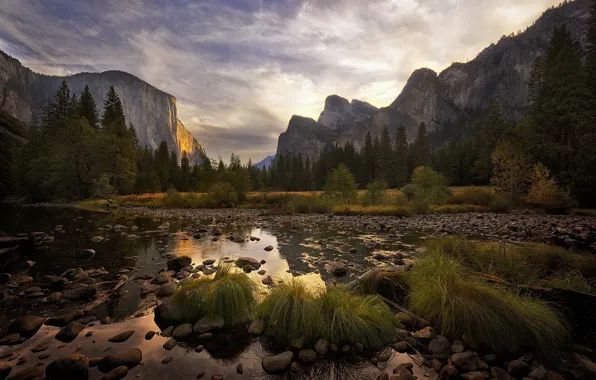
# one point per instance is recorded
(501, 203)
(428, 187)
(291, 312)
(222, 194)
(473, 196)
(350, 318)
(308, 205)
(230, 294)
(376, 193)
(544, 192)
(340, 184)
(443, 293)
(458, 209)
(408, 190)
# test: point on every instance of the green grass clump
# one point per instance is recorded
(394, 285)
(291, 312)
(570, 281)
(230, 294)
(350, 318)
(445, 293)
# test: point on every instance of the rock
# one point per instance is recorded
(426, 333)
(64, 319)
(26, 326)
(41, 347)
(411, 342)
(584, 366)
(338, 269)
(218, 376)
(406, 319)
(182, 331)
(148, 289)
(262, 272)
(267, 280)
(11, 339)
(466, 361)
(201, 375)
(448, 372)
(436, 365)
(402, 334)
(170, 344)
(209, 262)
(333, 347)
(500, 374)
(294, 367)
(122, 337)
(322, 347)
(89, 252)
(279, 362)
(401, 347)
(55, 297)
(31, 373)
(5, 278)
(129, 358)
(383, 376)
(167, 360)
(5, 369)
(297, 343)
(69, 332)
(80, 293)
(96, 239)
(205, 336)
(179, 262)
(473, 376)
(239, 369)
(268, 248)
(71, 367)
(242, 262)
(166, 290)
(167, 332)
(538, 373)
(457, 347)
(440, 346)
(22, 280)
(149, 335)
(358, 347)
(160, 279)
(518, 368)
(257, 327)
(117, 373)
(307, 355)
(208, 323)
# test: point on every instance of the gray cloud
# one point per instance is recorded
(241, 68)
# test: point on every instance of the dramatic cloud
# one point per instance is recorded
(241, 68)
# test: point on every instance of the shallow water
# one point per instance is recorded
(303, 253)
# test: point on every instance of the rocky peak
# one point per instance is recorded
(340, 114)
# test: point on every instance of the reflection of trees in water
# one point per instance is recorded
(227, 346)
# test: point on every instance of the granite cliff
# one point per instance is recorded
(498, 74)
(153, 112)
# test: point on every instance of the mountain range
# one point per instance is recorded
(498, 74)
(23, 94)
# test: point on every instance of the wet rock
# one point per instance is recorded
(267, 280)
(129, 358)
(257, 327)
(268, 248)
(466, 361)
(22, 280)
(5, 369)
(179, 262)
(5, 278)
(500, 374)
(69, 332)
(80, 293)
(209, 262)
(41, 347)
(208, 323)
(448, 372)
(518, 368)
(31, 373)
(72, 367)
(11, 339)
(307, 355)
(277, 363)
(167, 360)
(182, 331)
(440, 346)
(160, 279)
(26, 326)
(64, 319)
(149, 335)
(473, 376)
(117, 373)
(167, 332)
(170, 344)
(322, 346)
(166, 290)
(297, 343)
(55, 297)
(148, 289)
(245, 261)
(122, 337)
(426, 333)
(338, 269)
(96, 239)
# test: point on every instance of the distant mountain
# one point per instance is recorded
(498, 74)
(265, 162)
(153, 112)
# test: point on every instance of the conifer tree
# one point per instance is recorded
(113, 120)
(421, 147)
(368, 160)
(401, 157)
(88, 108)
(385, 164)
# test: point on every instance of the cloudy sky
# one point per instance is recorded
(240, 68)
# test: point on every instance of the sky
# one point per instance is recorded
(240, 69)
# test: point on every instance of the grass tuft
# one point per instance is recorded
(230, 294)
(444, 292)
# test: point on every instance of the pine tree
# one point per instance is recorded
(60, 106)
(88, 108)
(386, 156)
(401, 157)
(113, 120)
(133, 134)
(421, 147)
(368, 160)
(162, 157)
(184, 173)
(489, 137)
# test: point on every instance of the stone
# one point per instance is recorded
(81, 293)
(170, 344)
(448, 372)
(5, 369)
(248, 261)
(55, 297)
(338, 269)
(440, 346)
(26, 326)
(383, 376)
(166, 290)
(401, 347)
(179, 262)
(217, 376)
(96, 239)
(538, 373)
(457, 348)
(257, 327)
(5, 278)
(436, 365)
(11, 339)
(160, 279)
(358, 347)
(149, 335)
(182, 331)
(466, 361)
(426, 333)
(297, 343)
(64, 319)
(167, 360)
(333, 347)
(41, 347)
(167, 332)
(201, 374)
(584, 366)
(22, 280)
(500, 374)
(406, 319)
(518, 368)
(72, 367)
(268, 248)
(30, 373)
(122, 337)
(322, 347)
(129, 358)
(117, 373)
(69, 332)
(239, 369)
(199, 348)
(148, 289)
(277, 363)
(208, 323)
(205, 336)
(402, 334)
(473, 376)
(307, 355)
(209, 262)
(267, 280)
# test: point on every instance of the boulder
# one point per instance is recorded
(257, 327)
(500, 374)
(466, 361)
(69, 332)
(117, 373)
(122, 337)
(307, 355)
(242, 262)
(160, 279)
(277, 363)
(440, 345)
(83, 292)
(448, 372)
(322, 346)
(26, 326)
(64, 319)
(518, 368)
(166, 290)
(182, 331)
(338, 269)
(129, 358)
(179, 262)
(30, 373)
(72, 367)
(208, 323)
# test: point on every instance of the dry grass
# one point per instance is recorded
(384, 210)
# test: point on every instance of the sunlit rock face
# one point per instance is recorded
(153, 113)
(498, 74)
